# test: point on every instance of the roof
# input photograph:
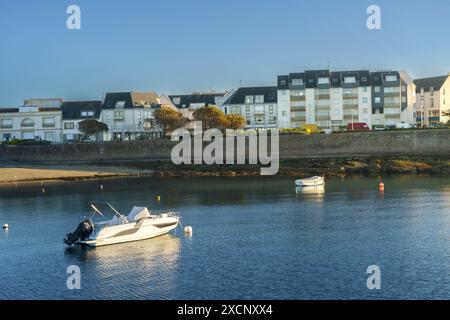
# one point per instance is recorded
(9, 110)
(336, 79)
(185, 100)
(130, 99)
(426, 83)
(72, 109)
(269, 92)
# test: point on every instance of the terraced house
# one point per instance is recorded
(257, 104)
(74, 112)
(433, 98)
(334, 99)
(128, 114)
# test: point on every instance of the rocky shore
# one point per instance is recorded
(295, 167)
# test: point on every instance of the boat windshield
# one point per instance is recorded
(106, 211)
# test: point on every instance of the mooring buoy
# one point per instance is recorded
(188, 230)
(6, 226)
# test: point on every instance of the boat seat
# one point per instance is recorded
(138, 213)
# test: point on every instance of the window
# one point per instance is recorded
(120, 104)
(391, 77)
(69, 125)
(176, 100)
(323, 80)
(6, 123)
(432, 103)
(283, 82)
(119, 115)
(87, 113)
(365, 100)
(297, 82)
(249, 99)
(365, 110)
(247, 120)
(271, 109)
(377, 100)
(284, 113)
(364, 79)
(349, 79)
(377, 89)
(259, 119)
(247, 110)
(391, 90)
(27, 122)
(235, 110)
(259, 99)
(364, 89)
(259, 110)
(48, 136)
(48, 122)
(403, 88)
(272, 120)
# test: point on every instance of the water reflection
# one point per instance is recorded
(149, 264)
(316, 193)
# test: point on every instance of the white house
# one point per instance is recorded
(31, 123)
(73, 112)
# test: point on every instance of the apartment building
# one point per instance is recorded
(128, 114)
(31, 123)
(73, 112)
(432, 98)
(257, 104)
(334, 99)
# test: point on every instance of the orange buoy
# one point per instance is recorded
(381, 186)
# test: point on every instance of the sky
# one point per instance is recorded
(182, 46)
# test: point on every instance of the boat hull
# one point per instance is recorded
(131, 232)
(310, 182)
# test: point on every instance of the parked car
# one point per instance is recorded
(404, 125)
(357, 126)
(311, 128)
(379, 128)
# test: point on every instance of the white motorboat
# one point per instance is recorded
(310, 182)
(139, 224)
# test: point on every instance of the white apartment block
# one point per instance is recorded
(258, 105)
(432, 98)
(31, 123)
(334, 99)
(37, 119)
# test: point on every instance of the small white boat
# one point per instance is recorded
(139, 224)
(310, 182)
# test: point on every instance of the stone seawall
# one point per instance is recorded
(414, 143)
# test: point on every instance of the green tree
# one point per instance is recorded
(168, 119)
(90, 127)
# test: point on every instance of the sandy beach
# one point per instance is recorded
(41, 173)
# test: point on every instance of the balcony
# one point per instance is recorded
(299, 108)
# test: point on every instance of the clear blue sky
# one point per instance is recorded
(178, 46)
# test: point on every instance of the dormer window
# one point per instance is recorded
(349, 80)
(87, 113)
(176, 100)
(323, 80)
(391, 77)
(297, 82)
(120, 104)
(248, 99)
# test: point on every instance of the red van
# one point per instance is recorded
(358, 126)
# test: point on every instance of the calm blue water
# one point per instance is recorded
(254, 238)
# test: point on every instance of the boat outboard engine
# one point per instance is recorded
(82, 232)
